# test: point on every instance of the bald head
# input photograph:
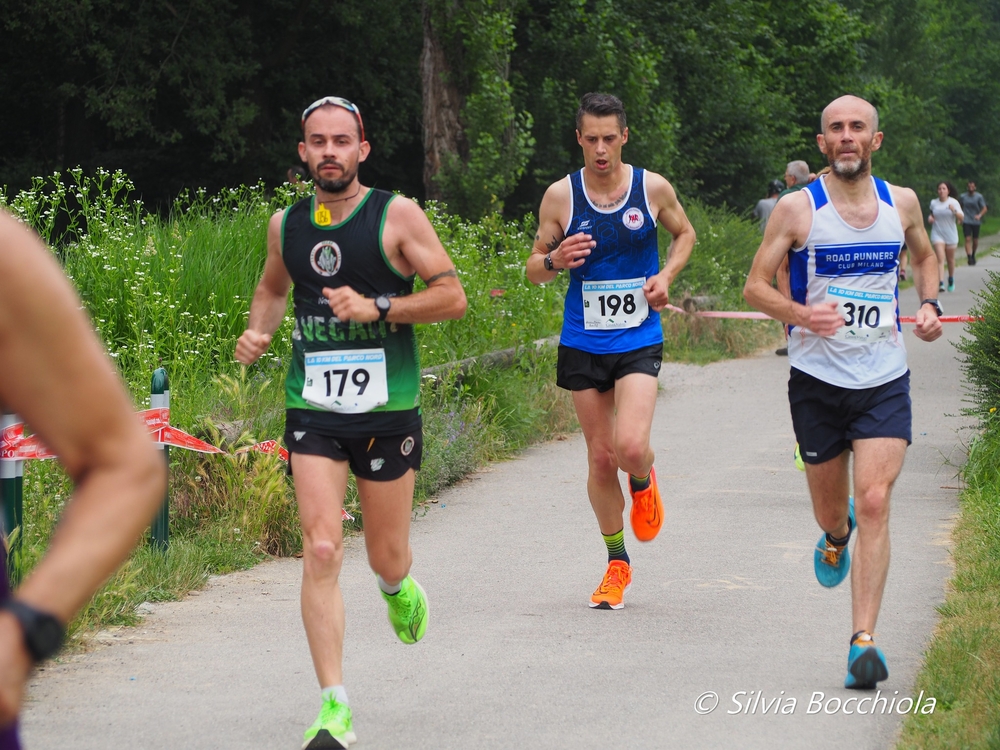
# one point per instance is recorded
(844, 107)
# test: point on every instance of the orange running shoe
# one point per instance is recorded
(617, 580)
(647, 510)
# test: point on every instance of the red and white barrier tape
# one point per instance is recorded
(742, 315)
(14, 446)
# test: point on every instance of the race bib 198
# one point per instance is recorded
(609, 305)
(868, 316)
(351, 381)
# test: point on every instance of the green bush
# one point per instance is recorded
(981, 349)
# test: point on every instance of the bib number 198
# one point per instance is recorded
(610, 305)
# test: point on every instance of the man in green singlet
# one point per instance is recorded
(352, 393)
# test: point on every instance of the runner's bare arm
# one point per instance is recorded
(59, 380)
(270, 299)
(923, 261)
(412, 246)
(670, 214)
(788, 227)
(566, 252)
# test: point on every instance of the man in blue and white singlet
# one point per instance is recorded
(600, 223)
(849, 387)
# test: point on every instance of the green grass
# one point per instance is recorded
(962, 666)
(174, 291)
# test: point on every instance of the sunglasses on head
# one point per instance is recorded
(336, 101)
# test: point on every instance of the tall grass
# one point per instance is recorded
(174, 291)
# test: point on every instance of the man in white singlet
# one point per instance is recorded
(849, 383)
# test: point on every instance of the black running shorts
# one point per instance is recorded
(577, 370)
(380, 459)
(827, 418)
(971, 230)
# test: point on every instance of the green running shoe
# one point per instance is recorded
(332, 729)
(408, 611)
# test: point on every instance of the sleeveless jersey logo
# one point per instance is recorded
(325, 258)
(633, 219)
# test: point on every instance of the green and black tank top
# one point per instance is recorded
(347, 254)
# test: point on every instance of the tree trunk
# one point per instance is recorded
(443, 134)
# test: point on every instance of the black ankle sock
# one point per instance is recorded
(841, 542)
(639, 483)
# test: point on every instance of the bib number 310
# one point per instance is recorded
(348, 382)
(868, 316)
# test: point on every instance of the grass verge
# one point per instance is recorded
(962, 666)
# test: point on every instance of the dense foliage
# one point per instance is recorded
(720, 93)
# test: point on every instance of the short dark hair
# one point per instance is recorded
(601, 105)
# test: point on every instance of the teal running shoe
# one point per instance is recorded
(332, 729)
(865, 663)
(408, 611)
(832, 563)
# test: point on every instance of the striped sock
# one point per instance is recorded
(616, 546)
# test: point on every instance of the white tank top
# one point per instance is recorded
(857, 269)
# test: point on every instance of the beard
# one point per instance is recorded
(333, 186)
(851, 170)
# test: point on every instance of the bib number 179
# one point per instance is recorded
(349, 382)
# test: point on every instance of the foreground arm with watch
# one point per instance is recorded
(68, 391)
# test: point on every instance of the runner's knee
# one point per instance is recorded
(633, 454)
(603, 462)
(872, 507)
(323, 556)
(391, 562)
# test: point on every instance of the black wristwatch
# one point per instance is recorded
(383, 303)
(43, 633)
(548, 263)
(937, 306)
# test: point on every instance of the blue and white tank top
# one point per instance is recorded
(605, 310)
(857, 269)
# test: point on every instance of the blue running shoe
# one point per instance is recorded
(865, 663)
(831, 563)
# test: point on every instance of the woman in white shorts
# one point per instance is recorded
(946, 214)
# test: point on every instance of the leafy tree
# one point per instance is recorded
(471, 43)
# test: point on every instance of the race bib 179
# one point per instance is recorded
(351, 381)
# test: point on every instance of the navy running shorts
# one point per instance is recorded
(380, 459)
(577, 370)
(828, 418)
